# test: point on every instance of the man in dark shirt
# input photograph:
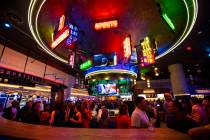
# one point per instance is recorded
(25, 111)
(34, 116)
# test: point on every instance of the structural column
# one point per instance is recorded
(53, 94)
(178, 81)
(60, 95)
(57, 94)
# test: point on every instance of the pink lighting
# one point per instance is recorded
(71, 59)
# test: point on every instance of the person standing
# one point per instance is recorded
(57, 115)
(26, 111)
(198, 114)
(139, 117)
(34, 116)
(123, 119)
(12, 112)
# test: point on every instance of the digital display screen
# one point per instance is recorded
(107, 88)
(104, 60)
(100, 60)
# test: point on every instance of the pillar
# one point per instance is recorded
(60, 95)
(178, 81)
(53, 94)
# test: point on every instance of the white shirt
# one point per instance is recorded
(139, 118)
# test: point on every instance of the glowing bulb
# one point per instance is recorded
(7, 25)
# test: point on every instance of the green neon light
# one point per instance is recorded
(168, 20)
(145, 70)
(87, 64)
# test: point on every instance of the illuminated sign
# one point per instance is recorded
(148, 56)
(73, 36)
(133, 58)
(106, 25)
(63, 34)
(203, 91)
(127, 47)
(71, 59)
(61, 22)
(87, 64)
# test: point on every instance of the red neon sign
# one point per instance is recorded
(63, 34)
(106, 25)
(61, 22)
(127, 47)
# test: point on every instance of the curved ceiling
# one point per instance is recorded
(139, 18)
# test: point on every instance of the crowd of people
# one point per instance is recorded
(181, 114)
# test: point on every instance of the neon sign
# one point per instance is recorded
(133, 58)
(127, 47)
(63, 34)
(73, 36)
(87, 64)
(168, 21)
(71, 59)
(61, 22)
(106, 25)
(148, 56)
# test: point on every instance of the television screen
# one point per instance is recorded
(100, 60)
(107, 89)
(104, 59)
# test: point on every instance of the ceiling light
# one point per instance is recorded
(189, 48)
(7, 25)
(156, 74)
(107, 78)
(199, 32)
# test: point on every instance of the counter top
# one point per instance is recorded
(30, 131)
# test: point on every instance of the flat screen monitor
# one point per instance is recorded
(104, 59)
(107, 89)
(100, 60)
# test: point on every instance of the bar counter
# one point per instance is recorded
(19, 130)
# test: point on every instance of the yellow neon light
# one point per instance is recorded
(25, 87)
(147, 52)
(37, 89)
(111, 71)
(10, 86)
(79, 94)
